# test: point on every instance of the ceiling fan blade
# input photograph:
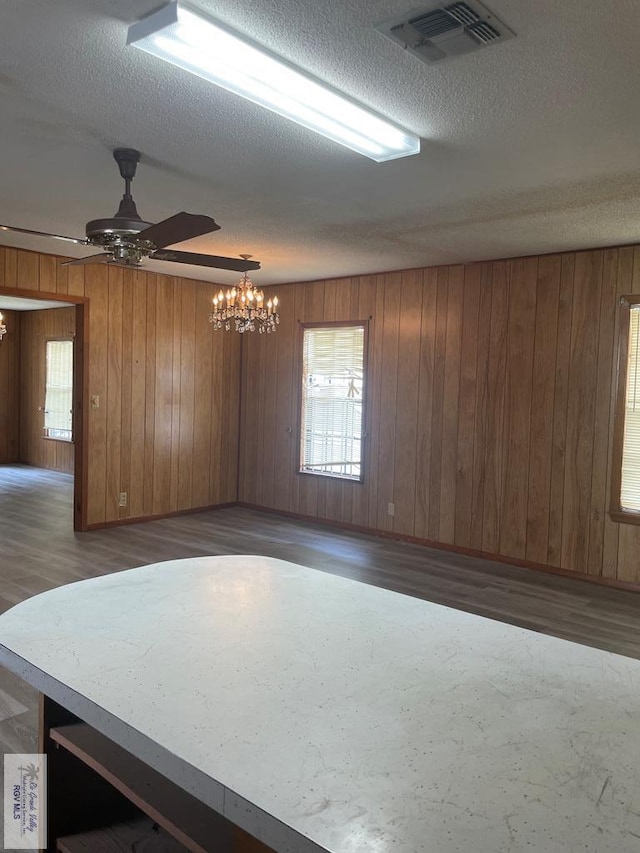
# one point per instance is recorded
(176, 229)
(102, 258)
(235, 264)
(81, 241)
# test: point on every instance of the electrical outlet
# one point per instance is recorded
(122, 500)
(391, 509)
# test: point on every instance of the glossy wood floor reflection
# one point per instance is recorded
(39, 551)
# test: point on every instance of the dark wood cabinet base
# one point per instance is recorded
(102, 799)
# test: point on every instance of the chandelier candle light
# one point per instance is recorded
(243, 306)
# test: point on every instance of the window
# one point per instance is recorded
(58, 399)
(626, 481)
(332, 400)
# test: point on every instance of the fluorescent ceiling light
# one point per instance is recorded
(212, 51)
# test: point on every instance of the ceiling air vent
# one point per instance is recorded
(441, 31)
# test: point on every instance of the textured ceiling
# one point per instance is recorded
(529, 146)
(15, 303)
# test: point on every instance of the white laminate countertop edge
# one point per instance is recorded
(323, 714)
(212, 793)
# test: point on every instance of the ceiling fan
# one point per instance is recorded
(125, 239)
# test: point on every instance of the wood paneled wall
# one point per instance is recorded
(10, 389)
(167, 386)
(36, 328)
(490, 401)
(490, 408)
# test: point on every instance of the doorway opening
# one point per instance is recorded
(43, 357)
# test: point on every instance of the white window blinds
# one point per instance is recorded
(630, 483)
(332, 401)
(58, 400)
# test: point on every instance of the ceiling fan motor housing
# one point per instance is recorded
(114, 227)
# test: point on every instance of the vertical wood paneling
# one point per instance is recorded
(284, 395)
(71, 280)
(203, 412)
(628, 550)
(68, 280)
(97, 289)
(114, 393)
(350, 491)
(388, 397)
(406, 410)
(540, 459)
(450, 405)
(10, 387)
(517, 419)
(35, 328)
(375, 395)
(269, 432)
(225, 453)
(163, 397)
(150, 396)
(437, 408)
(10, 268)
(297, 297)
(365, 311)
(47, 274)
(138, 384)
(248, 425)
(262, 435)
(467, 405)
(187, 393)
(313, 307)
(489, 411)
(126, 393)
(581, 410)
(27, 271)
(425, 402)
(494, 448)
(176, 386)
(542, 395)
(561, 396)
(136, 341)
(627, 271)
(481, 407)
(608, 313)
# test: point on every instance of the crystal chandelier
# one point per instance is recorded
(243, 308)
(3, 327)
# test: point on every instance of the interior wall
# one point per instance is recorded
(10, 388)
(37, 327)
(165, 385)
(490, 408)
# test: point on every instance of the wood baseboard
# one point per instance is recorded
(456, 549)
(385, 534)
(116, 522)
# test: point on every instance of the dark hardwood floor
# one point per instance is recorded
(39, 551)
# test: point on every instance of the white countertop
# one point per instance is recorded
(322, 714)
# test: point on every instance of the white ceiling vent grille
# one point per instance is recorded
(444, 30)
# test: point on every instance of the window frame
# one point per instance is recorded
(616, 511)
(364, 442)
(47, 341)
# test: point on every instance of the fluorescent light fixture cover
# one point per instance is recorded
(209, 49)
